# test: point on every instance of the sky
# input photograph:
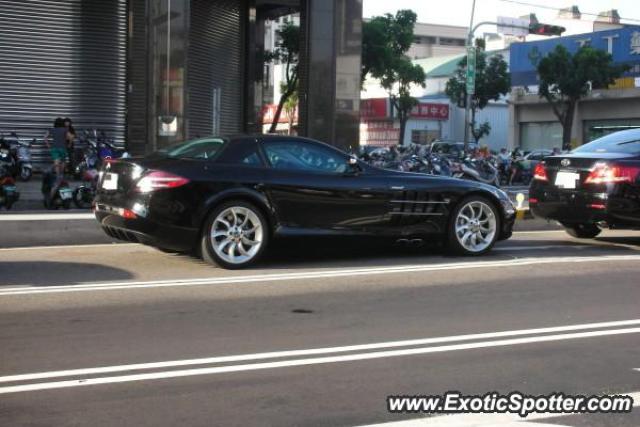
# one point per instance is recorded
(458, 12)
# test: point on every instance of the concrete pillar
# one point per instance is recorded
(330, 80)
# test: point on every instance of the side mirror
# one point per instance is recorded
(353, 166)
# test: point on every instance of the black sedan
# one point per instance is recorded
(228, 197)
(595, 186)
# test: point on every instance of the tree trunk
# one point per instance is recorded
(276, 117)
(472, 126)
(567, 124)
(403, 125)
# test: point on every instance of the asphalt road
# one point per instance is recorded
(318, 334)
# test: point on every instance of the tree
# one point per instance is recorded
(290, 106)
(385, 40)
(567, 78)
(287, 52)
(492, 82)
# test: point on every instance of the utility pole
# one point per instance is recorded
(471, 78)
(522, 27)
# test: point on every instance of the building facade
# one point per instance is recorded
(153, 72)
(532, 122)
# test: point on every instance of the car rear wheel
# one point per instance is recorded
(235, 235)
(582, 231)
(473, 228)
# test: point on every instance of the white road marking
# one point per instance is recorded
(368, 271)
(310, 361)
(46, 216)
(59, 248)
(487, 420)
(316, 351)
(538, 232)
(538, 248)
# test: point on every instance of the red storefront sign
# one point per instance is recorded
(430, 111)
(379, 133)
(374, 108)
(269, 113)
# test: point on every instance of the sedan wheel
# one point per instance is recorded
(583, 231)
(474, 227)
(236, 235)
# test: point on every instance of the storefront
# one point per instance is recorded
(533, 123)
(379, 126)
(153, 72)
(63, 59)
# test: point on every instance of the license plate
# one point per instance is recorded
(110, 181)
(567, 180)
(66, 194)
(10, 188)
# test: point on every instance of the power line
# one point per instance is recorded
(558, 9)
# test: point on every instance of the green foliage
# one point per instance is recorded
(492, 82)
(290, 106)
(287, 52)
(481, 131)
(565, 78)
(385, 41)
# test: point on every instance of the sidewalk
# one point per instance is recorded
(31, 195)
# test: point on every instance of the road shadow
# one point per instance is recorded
(620, 240)
(331, 252)
(48, 273)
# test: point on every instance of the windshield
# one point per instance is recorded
(203, 148)
(626, 142)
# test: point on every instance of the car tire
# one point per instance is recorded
(582, 231)
(235, 235)
(474, 226)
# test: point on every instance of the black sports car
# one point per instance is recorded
(595, 186)
(228, 197)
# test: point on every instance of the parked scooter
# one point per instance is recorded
(61, 197)
(103, 146)
(84, 194)
(88, 157)
(8, 191)
(8, 163)
(478, 170)
(21, 152)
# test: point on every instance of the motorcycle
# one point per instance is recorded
(105, 148)
(88, 158)
(61, 197)
(8, 162)
(478, 170)
(21, 152)
(8, 192)
(83, 195)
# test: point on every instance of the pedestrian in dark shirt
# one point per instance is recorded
(56, 140)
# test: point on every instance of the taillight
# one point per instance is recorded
(540, 173)
(603, 173)
(158, 180)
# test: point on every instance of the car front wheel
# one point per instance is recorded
(473, 228)
(235, 235)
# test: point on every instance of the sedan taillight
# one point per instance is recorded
(158, 180)
(603, 173)
(540, 173)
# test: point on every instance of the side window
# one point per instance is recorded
(304, 156)
(537, 156)
(243, 151)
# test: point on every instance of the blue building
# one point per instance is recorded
(533, 124)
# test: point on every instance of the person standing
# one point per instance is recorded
(72, 156)
(56, 141)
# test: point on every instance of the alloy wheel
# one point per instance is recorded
(236, 235)
(475, 226)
